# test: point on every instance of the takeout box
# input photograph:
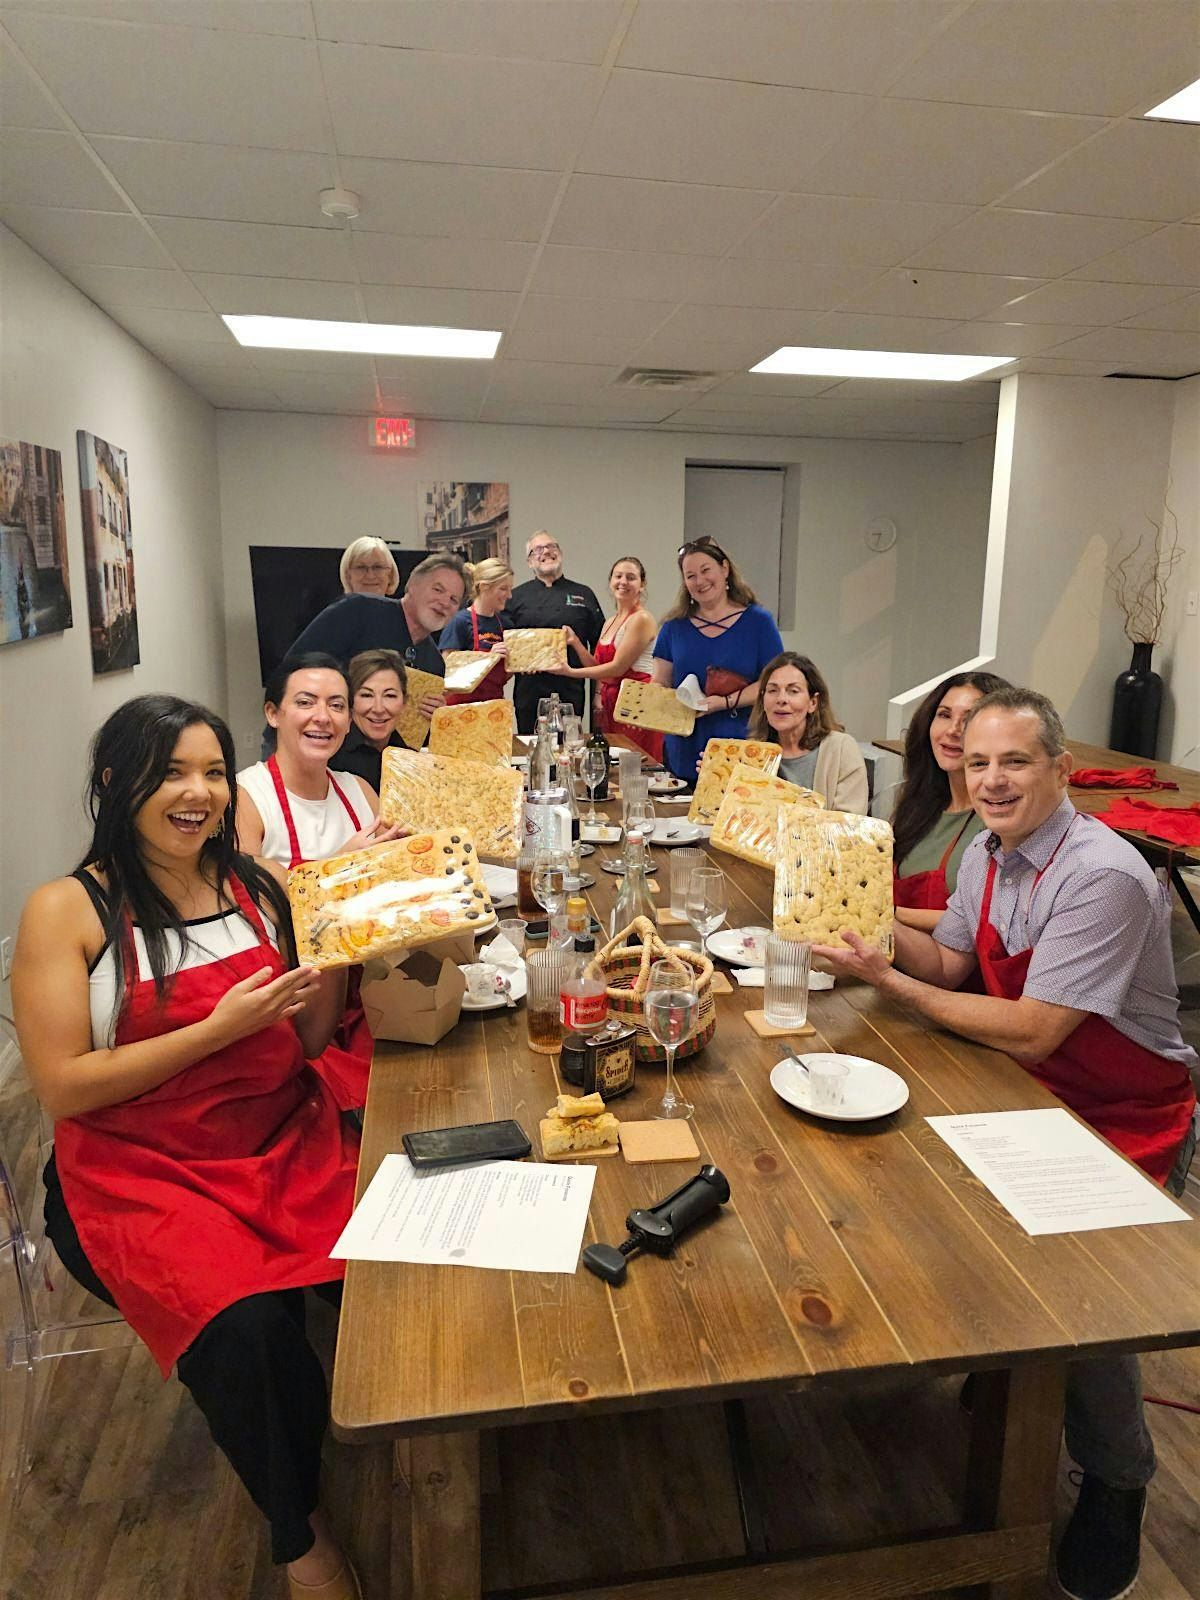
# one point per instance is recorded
(419, 1001)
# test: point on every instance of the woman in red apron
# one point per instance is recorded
(202, 1171)
(481, 627)
(623, 651)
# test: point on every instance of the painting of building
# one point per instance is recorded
(35, 592)
(108, 551)
(468, 519)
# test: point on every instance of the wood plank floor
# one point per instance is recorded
(129, 1499)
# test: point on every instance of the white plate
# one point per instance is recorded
(665, 783)
(872, 1090)
(668, 832)
(518, 983)
(500, 882)
(741, 947)
(601, 834)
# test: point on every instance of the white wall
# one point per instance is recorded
(1179, 658)
(874, 623)
(66, 366)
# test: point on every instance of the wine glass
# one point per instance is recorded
(706, 901)
(672, 1006)
(549, 882)
(594, 766)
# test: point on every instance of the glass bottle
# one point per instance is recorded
(583, 998)
(597, 741)
(634, 898)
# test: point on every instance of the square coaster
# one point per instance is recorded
(758, 1021)
(668, 918)
(720, 983)
(658, 1141)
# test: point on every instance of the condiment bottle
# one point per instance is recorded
(634, 898)
(577, 916)
(583, 998)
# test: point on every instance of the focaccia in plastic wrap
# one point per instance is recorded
(412, 727)
(479, 732)
(716, 768)
(387, 898)
(535, 649)
(422, 790)
(466, 669)
(833, 870)
(650, 705)
(746, 822)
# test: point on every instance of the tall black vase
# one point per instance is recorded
(1137, 703)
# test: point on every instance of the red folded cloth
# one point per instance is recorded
(1176, 824)
(1119, 778)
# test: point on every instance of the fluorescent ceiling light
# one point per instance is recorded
(364, 338)
(1181, 107)
(877, 364)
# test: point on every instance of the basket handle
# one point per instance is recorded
(642, 926)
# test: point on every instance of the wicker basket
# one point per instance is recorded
(626, 971)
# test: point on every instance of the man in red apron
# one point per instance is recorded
(1070, 933)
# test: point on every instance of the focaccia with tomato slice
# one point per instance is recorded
(425, 791)
(482, 731)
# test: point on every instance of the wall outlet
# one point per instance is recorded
(5, 959)
(1192, 604)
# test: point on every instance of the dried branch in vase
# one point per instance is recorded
(1139, 578)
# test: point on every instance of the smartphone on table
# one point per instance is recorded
(478, 1141)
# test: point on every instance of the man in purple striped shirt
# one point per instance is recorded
(1070, 931)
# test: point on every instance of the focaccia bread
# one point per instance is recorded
(650, 705)
(387, 898)
(535, 649)
(716, 768)
(480, 732)
(421, 790)
(412, 727)
(577, 1105)
(566, 1136)
(833, 870)
(746, 823)
(466, 669)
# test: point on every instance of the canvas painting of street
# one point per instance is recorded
(468, 519)
(35, 591)
(108, 552)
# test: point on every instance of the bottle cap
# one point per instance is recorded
(576, 903)
(633, 834)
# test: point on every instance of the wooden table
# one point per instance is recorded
(846, 1251)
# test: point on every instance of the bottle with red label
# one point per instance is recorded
(583, 998)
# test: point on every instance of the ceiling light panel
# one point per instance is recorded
(364, 338)
(1181, 107)
(878, 364)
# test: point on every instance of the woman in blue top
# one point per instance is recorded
(719, 632)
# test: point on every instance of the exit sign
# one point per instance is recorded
(393, 433)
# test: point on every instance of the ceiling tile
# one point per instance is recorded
(151, 287)
(278, 297)
(335, 390)
(626, 408)
(627, 214)
(759, 324)
(899, 391)
(810, 285)
(541, 30)
(728, 396)
(591, 349)
(22, 102)
(915, 292)
(569, 382)
(1137, 350)
(155, 327)
(1007, 338)
(259, 249)
(435, 198)
(441, 263)
(1134, 169)
(1171, 255)
(847, 228)
(627, 274)
(1067, 369)
(853, 330)
(450, 308)
(223, 87)
(968, 155)
(170, 179)
(1039, 244)
(802, 42)
(250, 398)
(341, 366)
(412, 384)
(241, 16)
(602, 318)
(41, 168)
(102, 238)
(1060, 55)
(456, 108)
(717, 353)
(1091, 304)
(1183, 315)
(702, 130)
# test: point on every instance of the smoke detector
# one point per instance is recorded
(340, 204)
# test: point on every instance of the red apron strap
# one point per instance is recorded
(249, 909)
(289, 824)
(474, 630)
(350, 811)
(950, 848)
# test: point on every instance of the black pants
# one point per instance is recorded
(531, 687)
(257, 1381)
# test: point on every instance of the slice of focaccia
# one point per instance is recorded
(562, 1137)
(746, 823)
(650, 705)
(535, 649)
(422, 790)
(387, 898)
(577, 1105)
(466, 669)
(716, 768)
(411, 725)
(833, 870)
(479, 732)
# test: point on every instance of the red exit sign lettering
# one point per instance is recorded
(393, 433)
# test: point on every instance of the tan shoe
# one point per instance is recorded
(344, 1585)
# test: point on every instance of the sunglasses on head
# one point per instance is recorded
(705, 546)
(410, 656)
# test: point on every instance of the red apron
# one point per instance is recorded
(492, 687)
(1138, 1101)
(645, 738)
(232, 1178)
(345, 1062)
(926, 891)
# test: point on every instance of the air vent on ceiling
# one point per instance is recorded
(1153, 377)
(666, 378)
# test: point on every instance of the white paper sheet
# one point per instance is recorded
(1053, 1174)
(517, 1216)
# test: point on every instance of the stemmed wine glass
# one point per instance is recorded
(672, 1007)
(706, 902)
(594, 767)
(549, 882)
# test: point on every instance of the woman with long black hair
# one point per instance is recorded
(202, 1171)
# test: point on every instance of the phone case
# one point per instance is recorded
(478, 1141)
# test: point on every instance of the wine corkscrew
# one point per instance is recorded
(658, 1228)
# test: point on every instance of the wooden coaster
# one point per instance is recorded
(667, 918)
(586, 1155)
(658, 1141)
(720, 983)
(764, 1030)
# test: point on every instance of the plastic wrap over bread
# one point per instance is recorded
(746, 824)
(650, 705)
(388, 898)
(716, 768)
(466, 669)
(535, 649)
(425, 791)
(482, 731)
(411, 725)
(833, 870)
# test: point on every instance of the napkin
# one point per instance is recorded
(690, 693)
(1119, 778)
(501, 954)
(1175, 824)
(755, 978)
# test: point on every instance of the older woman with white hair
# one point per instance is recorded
(368, 567)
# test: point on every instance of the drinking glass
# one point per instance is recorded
(633, 792)
(706, 901)
(683, 864)
(629, 766)
(785, 982)
(641, 817)
(547, 971)
(572, 732)
(513, 929)
(672, 1006)
(594, 766)
(549, 881)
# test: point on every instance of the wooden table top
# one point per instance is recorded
(845, 1248)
